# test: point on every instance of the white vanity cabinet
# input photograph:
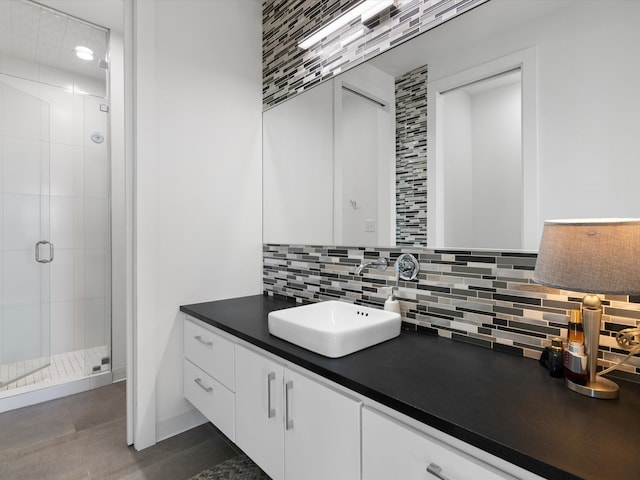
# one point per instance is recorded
(259, 410)
(209, 376)
(292, 426)
(391, 449)
(296, 425)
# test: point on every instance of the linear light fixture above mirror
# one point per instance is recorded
(364, 10)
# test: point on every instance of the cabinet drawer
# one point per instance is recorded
(210, 352)
(212, 398)
(391, 449)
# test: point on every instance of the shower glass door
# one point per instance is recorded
(54, 189)
(26, 252)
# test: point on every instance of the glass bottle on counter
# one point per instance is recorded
(575, 359)
(575, 363)
(575, 328)
(555, 362)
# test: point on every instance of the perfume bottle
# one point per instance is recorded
(575, 329)
(575, 363)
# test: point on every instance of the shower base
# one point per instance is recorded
(63, 368)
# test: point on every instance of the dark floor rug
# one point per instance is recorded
(236, 468)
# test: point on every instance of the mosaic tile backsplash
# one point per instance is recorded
(485, 298)
(288, 70)
(411, 157)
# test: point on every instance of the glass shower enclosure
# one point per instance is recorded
(26, 249)
(55, 319)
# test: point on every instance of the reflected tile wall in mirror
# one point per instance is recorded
(411, 157)
(288, 70)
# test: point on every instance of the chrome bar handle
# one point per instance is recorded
(287, 420)
(41, 242)
(271, 412)
(436, 471)
(44, 260)
(203, 386)
(204, 342)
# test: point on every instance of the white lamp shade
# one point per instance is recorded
(590, 256)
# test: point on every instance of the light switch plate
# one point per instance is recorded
(369, 225)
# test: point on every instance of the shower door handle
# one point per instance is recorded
(44, 260)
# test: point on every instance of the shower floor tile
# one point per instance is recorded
(64, 367)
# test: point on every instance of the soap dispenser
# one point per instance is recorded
(392, 303)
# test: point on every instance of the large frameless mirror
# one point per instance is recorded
(456, 169)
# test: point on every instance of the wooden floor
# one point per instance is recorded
(83, 436)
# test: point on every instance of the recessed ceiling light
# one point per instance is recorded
(84, 53)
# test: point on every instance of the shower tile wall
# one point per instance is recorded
(73, 171)
(484, 298)
(411, 157)
(288, 70)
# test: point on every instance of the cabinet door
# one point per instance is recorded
(322, 431)
(259, 427)
(391, 449)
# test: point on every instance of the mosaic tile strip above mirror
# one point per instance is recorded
(288, 70)
(486, 298)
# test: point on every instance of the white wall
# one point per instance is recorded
(596, 81)
(364, 156)
(458, 177)
(359, 173)
(587, 109)
(197, 149)
(310, 142)
(497, 167)
(482, 149)
(298, 169)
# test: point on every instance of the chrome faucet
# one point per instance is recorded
(381, 264)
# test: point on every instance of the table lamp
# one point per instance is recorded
(592, 256)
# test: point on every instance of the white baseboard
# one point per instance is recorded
(181, 423)
(119, 374)
(25, 396)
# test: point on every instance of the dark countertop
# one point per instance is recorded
(506, 405)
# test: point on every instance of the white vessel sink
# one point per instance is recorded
(334, 328)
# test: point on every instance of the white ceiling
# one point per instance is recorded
(46, 36)
(478, 24)
(106, 13)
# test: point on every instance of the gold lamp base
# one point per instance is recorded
(601, 388)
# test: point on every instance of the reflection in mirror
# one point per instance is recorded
(482, 148)
(361, 221)
(364, 161)
(579, 101)
(298, 169)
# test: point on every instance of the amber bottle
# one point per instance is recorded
(575, 328)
